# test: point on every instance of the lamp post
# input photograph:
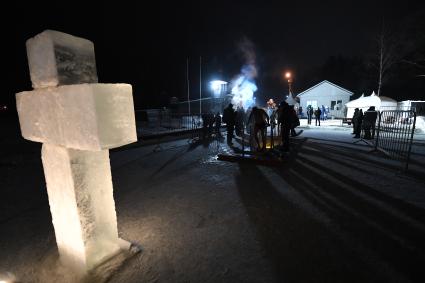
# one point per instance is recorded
(288, 76)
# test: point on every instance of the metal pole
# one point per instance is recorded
(200, 85)
(187, 82)
(410, 143)
(378, 130)
(290, 87)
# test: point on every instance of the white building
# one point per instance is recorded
(327, 94)
(416, 105)
(419, 107)
(381, 103)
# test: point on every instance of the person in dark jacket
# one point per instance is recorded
(369, 120)
(359, 122)
(217, 125)
(295, 121)
(239, 122)
(205, 124)
(354, 120)
(285, 121)
(229, 117)
(259, 118)
(317, 114)
(309, 114)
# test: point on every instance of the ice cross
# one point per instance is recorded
(78, 121)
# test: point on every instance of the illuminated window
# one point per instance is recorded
(313, 103)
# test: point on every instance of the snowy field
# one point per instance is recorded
(331, 212)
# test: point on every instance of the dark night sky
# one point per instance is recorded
(147, 45)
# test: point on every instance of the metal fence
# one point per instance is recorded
(246, 134)
(395, 134)
(392, 134)
(162, 122)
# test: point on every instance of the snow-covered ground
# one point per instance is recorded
(331, 212)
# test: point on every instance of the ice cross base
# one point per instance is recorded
(79, 186)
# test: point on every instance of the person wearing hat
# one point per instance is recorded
(369, 120)
(229, 117)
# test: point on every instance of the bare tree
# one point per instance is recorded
(388, 55)
(398, 47)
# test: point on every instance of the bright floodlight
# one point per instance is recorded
(218, 87)
(288, 75)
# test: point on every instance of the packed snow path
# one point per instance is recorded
(332, 212)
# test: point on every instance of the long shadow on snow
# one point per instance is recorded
(397, 242)
(300, 248)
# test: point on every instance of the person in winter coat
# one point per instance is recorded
(217, 124)
(359, 122)
(295, 121)
(309, 114)
(239, 122)
(260, 121)
(369, 120)
(285, 120)
(229, 117)
(317, 114)
(354, 120)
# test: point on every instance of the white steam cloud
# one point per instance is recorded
(244, 87)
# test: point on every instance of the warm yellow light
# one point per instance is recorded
(288, 75)
(7, 278)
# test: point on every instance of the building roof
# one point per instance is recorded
(328, 82)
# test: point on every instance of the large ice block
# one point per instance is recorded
(79, 186)
(56, 58)
(85, 116)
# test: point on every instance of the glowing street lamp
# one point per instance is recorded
(288, 77)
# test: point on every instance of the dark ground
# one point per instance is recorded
(331, 212)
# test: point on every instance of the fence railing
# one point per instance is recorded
(160, 122)
(395, 130)
(391, 134)
(247, 133)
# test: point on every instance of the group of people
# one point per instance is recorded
(318, 114)
(285, 115)
(365, 121)
(211, 124)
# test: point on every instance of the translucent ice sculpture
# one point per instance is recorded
(56, 58)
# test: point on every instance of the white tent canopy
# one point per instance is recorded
(364, 102)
